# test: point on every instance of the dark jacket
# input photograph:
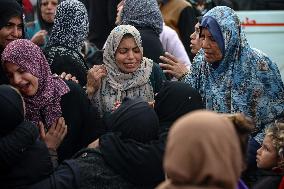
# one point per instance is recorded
(64, 59)
(82, 119)
(152, 46)
(102, 16)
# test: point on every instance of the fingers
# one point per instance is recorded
(96, 73)
(171, 57)
(63, 75)
(166, 66)
(68, 77)
(74, 79)
(169, 61)
(61, 128)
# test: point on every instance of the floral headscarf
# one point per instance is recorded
(118, 85)
(142, 13)
(246, 80)
(71, 25)
(45, 104)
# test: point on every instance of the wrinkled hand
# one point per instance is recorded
(56, 133)
(94, 79)
(68, 77)
(173, 66)
(39, 37)
(94, 144)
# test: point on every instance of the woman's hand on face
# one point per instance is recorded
(94, 78)
(55, 135)
(39, 37)
(68, 77)
(173, 66)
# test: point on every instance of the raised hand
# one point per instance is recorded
(173, 66)
(94, 78)
(55, 135)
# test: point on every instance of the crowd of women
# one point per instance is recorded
(125, 123)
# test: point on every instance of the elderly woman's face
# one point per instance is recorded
(48, 8)
(210, 46)
(128, 55)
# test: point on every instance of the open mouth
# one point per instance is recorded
(129, 65)
(24, 87)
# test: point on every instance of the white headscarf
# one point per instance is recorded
(118, 85)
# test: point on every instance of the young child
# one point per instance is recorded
(270, 157)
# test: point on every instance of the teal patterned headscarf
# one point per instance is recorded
(246, 79)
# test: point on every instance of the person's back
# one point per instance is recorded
(63, 50)
(147, 18)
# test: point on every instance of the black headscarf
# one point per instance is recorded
(11, 109)
(174, 100)
(134, 119)
(9, 9)
(141, 163)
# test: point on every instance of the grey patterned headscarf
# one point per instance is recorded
(118, 85)
(142, 13)
(71, 25)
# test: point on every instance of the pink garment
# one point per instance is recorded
(172, 44)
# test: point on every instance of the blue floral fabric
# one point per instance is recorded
(246, 80)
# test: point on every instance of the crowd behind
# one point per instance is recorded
(164, 94)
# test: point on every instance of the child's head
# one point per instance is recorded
(271, 153)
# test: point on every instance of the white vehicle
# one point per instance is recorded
(265, 29)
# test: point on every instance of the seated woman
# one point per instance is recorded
(270, 158)
(48, 97)
(63, 50)
(125, 73)
(231, 76)
(203, 151)
(36, 157)
(39, 31)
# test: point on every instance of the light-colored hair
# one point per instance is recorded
(276, 133)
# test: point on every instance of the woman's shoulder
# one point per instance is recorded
(76, 92)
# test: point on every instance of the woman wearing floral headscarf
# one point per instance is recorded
(48, 97)
(126, 72)
(233, 77)
(70, 29)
